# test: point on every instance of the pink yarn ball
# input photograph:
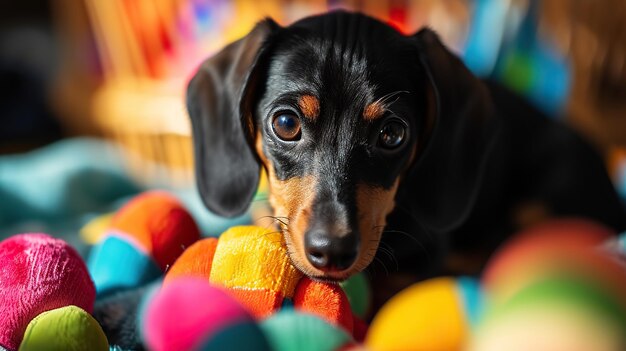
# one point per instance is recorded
(187, 312)
(38, 273)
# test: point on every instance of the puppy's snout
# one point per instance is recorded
(329, 252)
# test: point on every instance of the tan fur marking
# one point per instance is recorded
(258, 143)
(373, 111)
(291, 201)
(374, 204)
(310, 106)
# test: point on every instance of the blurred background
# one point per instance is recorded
(91, 91)
(92, 113)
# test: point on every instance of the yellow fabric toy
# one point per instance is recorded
(252, 264)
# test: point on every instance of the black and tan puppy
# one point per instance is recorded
(364, 131)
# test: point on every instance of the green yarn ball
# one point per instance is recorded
(359, 293)
(68, 328)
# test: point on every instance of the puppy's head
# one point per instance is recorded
(339, 109)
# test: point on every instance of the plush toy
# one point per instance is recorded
(143, 239)
(558, 313)
(252, 264)
(291, 330)
(553, 288)
(65, 328)
(547, 247)
(434, 315)
(359, 293)
(45, 290)
(191, 314)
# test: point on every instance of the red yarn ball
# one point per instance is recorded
(38, 273)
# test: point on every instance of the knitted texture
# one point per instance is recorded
(38, 273)
(64, 329)
(252, 262)
(325, 300)
(254, 258)
(253, 265)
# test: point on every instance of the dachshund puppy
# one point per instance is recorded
(364, 131)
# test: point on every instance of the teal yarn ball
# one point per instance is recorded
(290, 330)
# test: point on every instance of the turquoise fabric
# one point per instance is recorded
(115, 264)
(57, 189)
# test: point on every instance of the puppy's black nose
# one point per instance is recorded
(329, 252)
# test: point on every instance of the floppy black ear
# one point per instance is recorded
(446, 179)
(219, 104)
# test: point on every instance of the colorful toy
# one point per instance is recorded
(554, 247)
(359, 294)
(554, 314)
(433, 315)
(67, 328)
(144, 238)
(39, 274)
(553, 288)
(291, 330)
(190, 314)
(252, 264)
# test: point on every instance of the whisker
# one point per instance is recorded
(378, 260)
(389, 252)
(385, 98)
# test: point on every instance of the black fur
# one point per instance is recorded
(485, 152)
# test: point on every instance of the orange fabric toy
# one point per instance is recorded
(252, 264)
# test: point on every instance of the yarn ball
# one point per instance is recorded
(291, 330)
(242, 336)
(39, 273)
(359, 293)
(555, 247)
(115, 264)
(433, 315)
(158, 224)
(560, 313)
(554, 288)
(250, 262)
(196, 261)
(324, 300)
(189, 312)
(144, 238)
(67, 328)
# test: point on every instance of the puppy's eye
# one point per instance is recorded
(286, 126)
(392, 135)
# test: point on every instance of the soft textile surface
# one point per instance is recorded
(188, 311)
(67, 328)
(291, 330)
(38, 274)
(60, 188)
(159, 224)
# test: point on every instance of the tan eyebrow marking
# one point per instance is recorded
(373, 111)
(309, 105)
